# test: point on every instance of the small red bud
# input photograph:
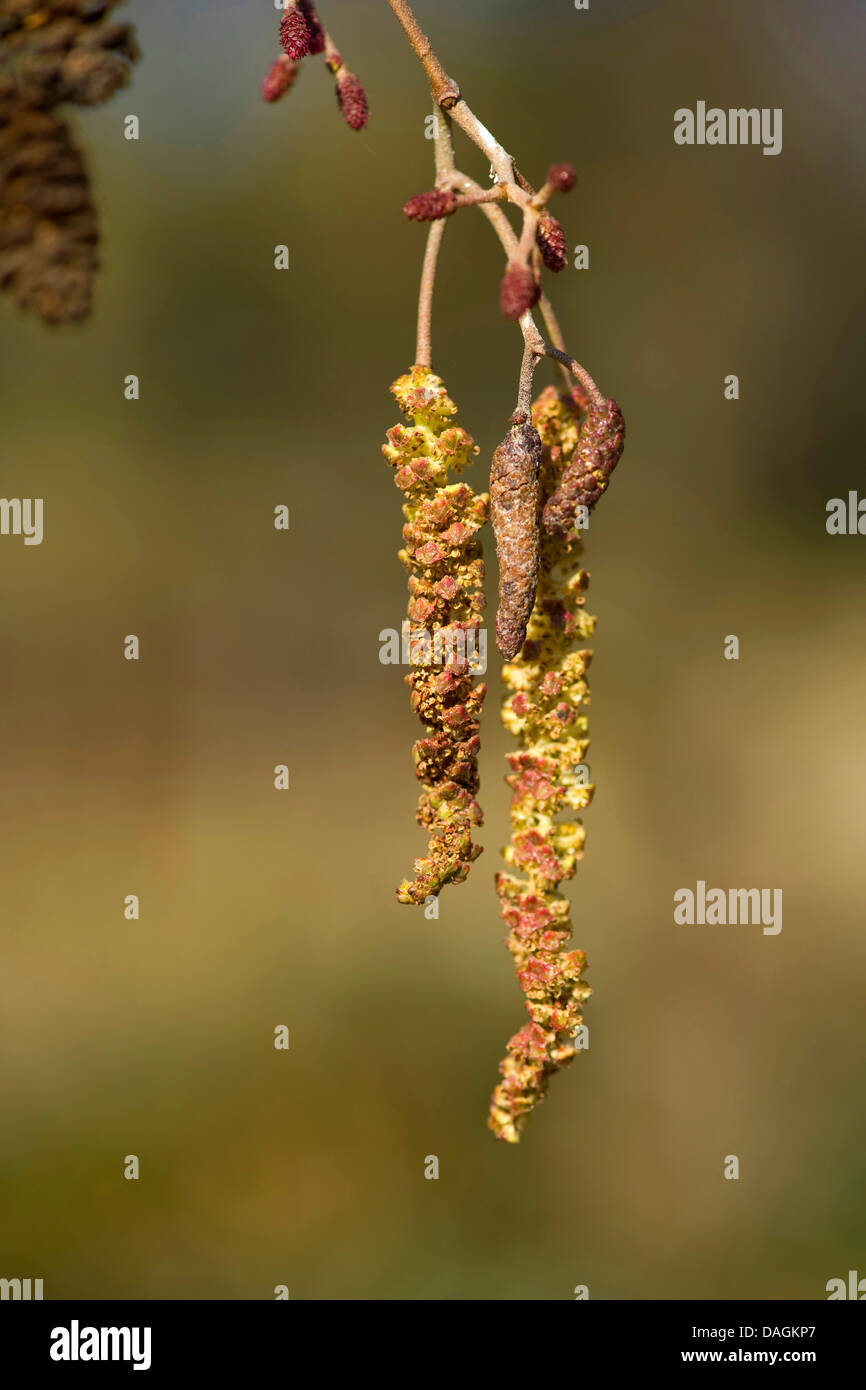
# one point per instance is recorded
(519, 291)
(562, 177)
(352, 100)
(429, 207)
(551, 242)
(280, 79)
(301, 34)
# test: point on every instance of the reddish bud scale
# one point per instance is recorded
(562, 177)
(301, 33)
(519, 291)
(352, 100)
(429, 207)
(550, 239)
(281, 77)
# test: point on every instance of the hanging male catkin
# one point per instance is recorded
(514, 513)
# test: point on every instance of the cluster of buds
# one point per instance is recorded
(544, 710)
(442, 553)
(302, 35)
(51, 52)
(543, 241)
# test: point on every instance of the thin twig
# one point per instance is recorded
(446, 94)
(598, 399)
(554, 333)
(511, 187)
(443, 145)
(524, 393)
(423, 350)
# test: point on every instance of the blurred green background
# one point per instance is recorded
(258, 387)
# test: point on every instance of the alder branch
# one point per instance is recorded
(511, 187)
(446, 94)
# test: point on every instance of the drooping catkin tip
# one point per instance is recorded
(519, 291)
(562, 177)
(429, 207)
(281, 77)
(301, 33)
(352, 100)
(550, 239)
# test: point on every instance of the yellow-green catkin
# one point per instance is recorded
(442, 552)
(544, 708)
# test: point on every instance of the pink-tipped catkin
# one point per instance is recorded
(562, 177)
(281, 77)
(429, 207)
(301, 34)
(352, 100)
(550, 239)
(519, 291)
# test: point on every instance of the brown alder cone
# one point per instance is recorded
(64, 50)
(514, 505)
(48, 224)
(598, 452)
(52, 51)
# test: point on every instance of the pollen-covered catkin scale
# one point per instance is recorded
(514, 513)
(543, 708)
(442, 553)
(598, 452)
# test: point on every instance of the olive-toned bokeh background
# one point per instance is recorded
(258, 647)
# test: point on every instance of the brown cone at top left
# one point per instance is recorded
(52, 52)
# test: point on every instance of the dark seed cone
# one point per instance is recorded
(301, 33)
(281, 77)
(429, 207)
(64, 50)
(550, 239)
(514, 512)
(352, 100)
(519, 291)
(48, 224)
(598, 452)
